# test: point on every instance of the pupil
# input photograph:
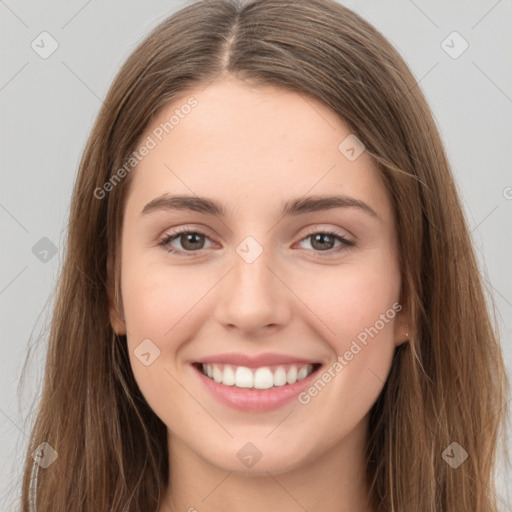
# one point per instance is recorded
(322, 239)
(189, 239)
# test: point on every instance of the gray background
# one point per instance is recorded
(48, 107)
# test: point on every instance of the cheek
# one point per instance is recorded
(157, 298)
(360, 307)
(158, 304)
(355, 310)
(352, 299)
(165, 305)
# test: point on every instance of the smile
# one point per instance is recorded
(255, 388)
(265, 377)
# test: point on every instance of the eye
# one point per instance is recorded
(324, 242)
(192, 241)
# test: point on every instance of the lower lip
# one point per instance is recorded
(255, 399)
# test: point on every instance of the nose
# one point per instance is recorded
(253, 298)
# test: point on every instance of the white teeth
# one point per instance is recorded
(279, 377)
(291, 376)
(303, 373)
(263, 378)
(243, 377)
(228, 377)
(217, 374)
(260, 378)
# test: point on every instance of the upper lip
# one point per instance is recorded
(267, 359)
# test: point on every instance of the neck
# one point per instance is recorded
(335, 481)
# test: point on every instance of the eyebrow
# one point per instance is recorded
(291, 207)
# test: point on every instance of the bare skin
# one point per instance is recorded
(251, 149)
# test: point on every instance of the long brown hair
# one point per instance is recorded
(447, 384)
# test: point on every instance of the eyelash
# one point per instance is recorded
(168, 238)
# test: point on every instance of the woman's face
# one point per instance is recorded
(274, 281)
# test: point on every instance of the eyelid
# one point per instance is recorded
(188, 228)
(322, 228)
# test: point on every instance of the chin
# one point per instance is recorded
(257, 457)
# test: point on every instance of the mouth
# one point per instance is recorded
(255, 383)
(256, 379)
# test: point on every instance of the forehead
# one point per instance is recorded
(252, 144)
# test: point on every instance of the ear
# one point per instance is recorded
(116, 317)
(402, 331)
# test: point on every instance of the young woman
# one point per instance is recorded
(270, 299)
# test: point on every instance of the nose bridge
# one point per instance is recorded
(251, 260)
(252, 277)
(251, 296)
